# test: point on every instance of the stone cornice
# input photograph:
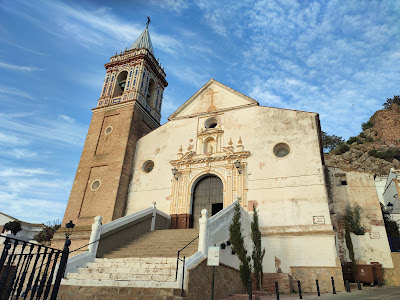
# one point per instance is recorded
(192, 159)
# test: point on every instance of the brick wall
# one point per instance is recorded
(109, 158)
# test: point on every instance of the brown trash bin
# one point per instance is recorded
(377, 271)
(348, 269)
(365, 273)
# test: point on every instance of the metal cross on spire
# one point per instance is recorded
(148, 22)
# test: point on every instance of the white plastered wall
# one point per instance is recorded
(360, 189)
(289, 191)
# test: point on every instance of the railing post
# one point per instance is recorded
(299, 286)
(183, 275)
(95, 235)
(250, 290)
(277, 290)
(203, 231)
(61, 268)
(359, 284)
(347, 285)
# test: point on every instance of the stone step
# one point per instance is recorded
(170, 252)
(127, 270)
(153, 260)
(116, 283)
(138, 265)
(121, 276)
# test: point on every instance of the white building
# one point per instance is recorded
(28, 229)
(391, 193)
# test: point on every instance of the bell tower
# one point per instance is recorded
(129, 108)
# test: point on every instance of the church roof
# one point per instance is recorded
(143, 41)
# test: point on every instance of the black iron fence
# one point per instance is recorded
(394, 243)
(31, 271)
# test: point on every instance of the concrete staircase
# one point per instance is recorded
(149, 261)
(159, 243)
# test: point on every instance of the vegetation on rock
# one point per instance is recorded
(258, 251)
(354, 139)
(391, 101)
(387, 155)
(367, 125)
(237, 240)
(342, 149)
(13, 226)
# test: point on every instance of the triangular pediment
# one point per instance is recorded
(212, 97)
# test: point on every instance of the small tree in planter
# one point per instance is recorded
(258, 252)
(13, 226)
(236, 238)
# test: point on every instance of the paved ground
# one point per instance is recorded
(386, 292)
(369, 293)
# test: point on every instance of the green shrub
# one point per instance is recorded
(352, 218)
(387, 155)
(342, 149)
(46, 234)
(354, 139)
(362, 134)
(391, 101)
(369, 139)
(367, 125)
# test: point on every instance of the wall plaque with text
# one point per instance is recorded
(318, 220)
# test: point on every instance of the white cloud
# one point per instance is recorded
(18, 68)
(32, 194)
(63, 130)
(5, 92)
(98, 28)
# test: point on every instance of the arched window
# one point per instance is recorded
(120, 84)
(151, 93)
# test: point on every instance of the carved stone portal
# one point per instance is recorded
(193, 166)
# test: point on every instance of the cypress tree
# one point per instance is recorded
(258, 252)
(236, 238)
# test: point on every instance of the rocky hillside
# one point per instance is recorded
(376, 149)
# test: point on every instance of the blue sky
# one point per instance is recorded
(338, 58)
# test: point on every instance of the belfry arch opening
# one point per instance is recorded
(151, 93)
(208, 194)
(120, 84)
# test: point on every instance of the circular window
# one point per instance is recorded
(211, 123)
(148, 166)
(95, 185)
(109, 129)
(281, 150)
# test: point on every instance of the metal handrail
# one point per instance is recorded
(178, 259)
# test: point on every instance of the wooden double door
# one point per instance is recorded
(208, 194)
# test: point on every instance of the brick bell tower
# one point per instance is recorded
(129, 108)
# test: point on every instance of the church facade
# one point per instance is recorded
(218, 147)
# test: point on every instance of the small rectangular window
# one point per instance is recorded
(343, 182)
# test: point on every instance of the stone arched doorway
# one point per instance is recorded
(208, 194)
